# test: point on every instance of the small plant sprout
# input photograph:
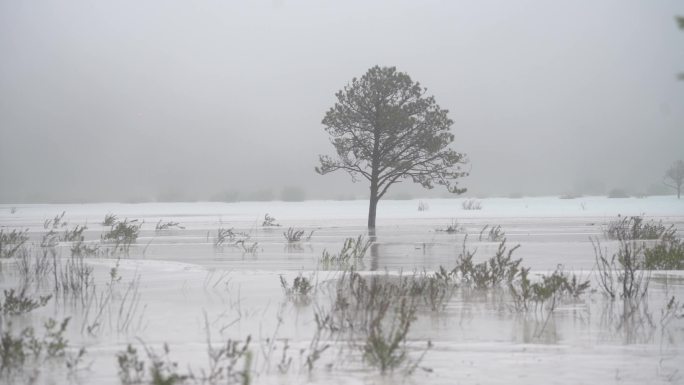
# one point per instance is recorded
(423, 206)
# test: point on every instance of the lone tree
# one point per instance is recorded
(674, 177)
(385, 129)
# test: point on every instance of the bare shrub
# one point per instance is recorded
(296, 235)
(300, 291)
(549, 290)
(666, 255)
(229, 237)
(23, 353)
(495, 233)
(621, 274)
(353, 251)
(18, 303)
(501, 268)
(269, 221)
(634, 227)
(385, 345)
(122, 234)
(167, 226)
(452, 228)
(12, 241)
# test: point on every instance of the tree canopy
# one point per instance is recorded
(674, 177)
(385, 129)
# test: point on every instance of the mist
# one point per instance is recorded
(171, 100)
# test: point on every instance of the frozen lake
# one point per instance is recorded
(183, 283)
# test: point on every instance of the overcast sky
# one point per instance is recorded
(137, 100)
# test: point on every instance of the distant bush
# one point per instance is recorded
(264, 195)
(570, 196)
(656, 189)
(226, 196)
(617, 193)
(345, 197)
(292, 194)
(401, 197)
(174, 196)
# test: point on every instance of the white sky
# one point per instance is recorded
(121, 100)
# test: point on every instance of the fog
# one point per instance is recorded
(177, 100)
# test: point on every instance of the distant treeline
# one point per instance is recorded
(298, 194)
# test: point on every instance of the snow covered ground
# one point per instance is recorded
(182, 283)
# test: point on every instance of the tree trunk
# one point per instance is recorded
(375, 179)
(372, 207)
(679, 190)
